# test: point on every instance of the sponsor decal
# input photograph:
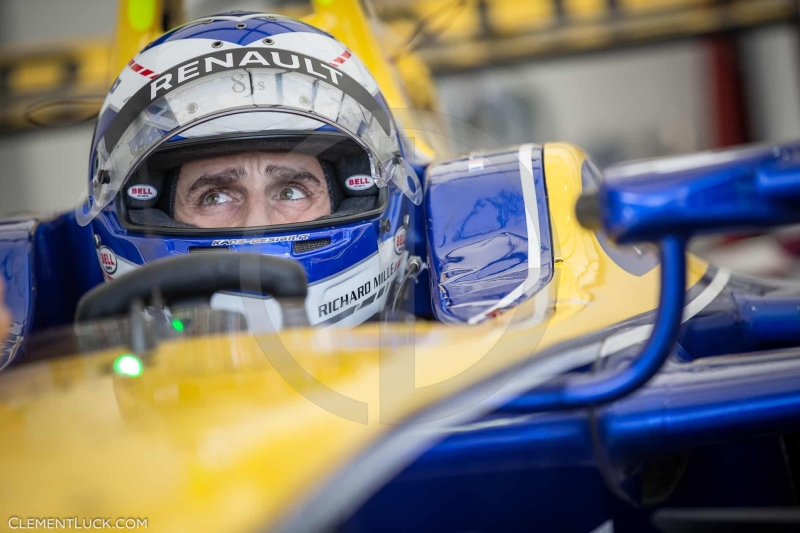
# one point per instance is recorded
(240, 58)
(108, 259)
(261, 240)
(364, 293)
(359, 182)
(475, 162)
(400, 241)
(142, 192)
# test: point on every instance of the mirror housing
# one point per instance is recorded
(712, 192)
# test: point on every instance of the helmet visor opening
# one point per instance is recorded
(260, 180)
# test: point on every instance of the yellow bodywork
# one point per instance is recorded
(212, 437)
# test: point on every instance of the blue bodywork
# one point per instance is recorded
(16, 250)
(715, 428)
(708, 433)
(47, 265)
(481, 254)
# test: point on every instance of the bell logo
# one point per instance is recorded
(108, 259)
(142, 192)
(400, 241)
(359, 182)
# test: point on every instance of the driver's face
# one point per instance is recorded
(251, 189)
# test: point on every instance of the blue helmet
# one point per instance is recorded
(255, 133)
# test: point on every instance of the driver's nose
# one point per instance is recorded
(257, 214)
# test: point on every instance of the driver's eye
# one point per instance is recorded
(291, 193)
(216, 198)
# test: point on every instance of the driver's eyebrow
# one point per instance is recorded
(287, 173)
(223, 178)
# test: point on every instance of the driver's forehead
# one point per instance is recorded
(248, 161)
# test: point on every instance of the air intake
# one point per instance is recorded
(301, 247)
(204, 249)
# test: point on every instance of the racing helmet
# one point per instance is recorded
(256, 133)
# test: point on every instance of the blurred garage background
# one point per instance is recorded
(624, 79)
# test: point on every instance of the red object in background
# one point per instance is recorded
(726, 91)
(790, 243)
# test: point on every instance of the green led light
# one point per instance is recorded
(128, 365)
(177, 325)
(325, 2)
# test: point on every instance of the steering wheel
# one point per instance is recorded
(198, 277)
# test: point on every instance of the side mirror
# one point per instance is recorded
(667, 202)
(704, 193)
